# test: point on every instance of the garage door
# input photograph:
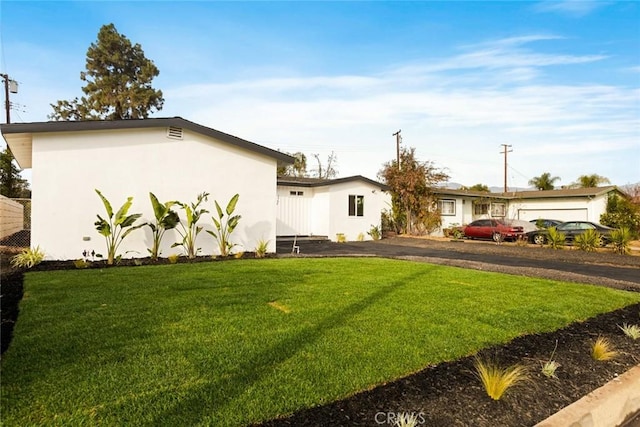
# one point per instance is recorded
(559, 214)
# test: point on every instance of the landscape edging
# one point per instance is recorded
(608, 406)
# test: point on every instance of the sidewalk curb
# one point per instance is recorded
(610, 405)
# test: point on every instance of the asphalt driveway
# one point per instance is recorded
(601, 268)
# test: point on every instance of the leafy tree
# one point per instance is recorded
(298, 168)
(118, 82)
(622, 213)
(477, 187)
(326, 172)
(590, 181)
(11, 183)
(544, 181)
(412, 191)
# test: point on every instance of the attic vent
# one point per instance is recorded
(174, 132)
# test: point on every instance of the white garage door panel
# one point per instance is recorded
(559, 214)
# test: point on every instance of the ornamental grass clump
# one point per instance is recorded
(497, 380)
(588, 241)
(621, 240)
(603, 350)
(28, 258)
(556, 239)
(632, 331)
(550, 366)
(261, 248)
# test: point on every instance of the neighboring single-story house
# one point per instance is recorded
(459, 207)
(172, 157)
(329, 207)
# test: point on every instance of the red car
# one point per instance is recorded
(494, 229)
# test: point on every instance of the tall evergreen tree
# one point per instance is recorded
(118, 82)
(11, 183)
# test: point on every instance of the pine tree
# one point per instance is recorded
(118, 82)
(11, 183)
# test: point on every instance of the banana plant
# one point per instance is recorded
(116, 228)
(225, 227)
(165, 219)
(190, 232)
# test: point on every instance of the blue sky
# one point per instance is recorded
(559, 81)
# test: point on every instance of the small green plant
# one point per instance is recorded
(360, 237)
(341, 238)
(375, 232)
(556, 239)
(261, 248)
(116, 227)
(550, 366)
(224, 227)
(497, 380)
(173, 258)
(190, 231)
(165, 219)
(238, 255)
(406, 420)
(603, 350)
(28, 258)
(632, 331)
(588, 241)
(621, 239)
(81, 263)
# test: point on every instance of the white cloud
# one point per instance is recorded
(574, 8)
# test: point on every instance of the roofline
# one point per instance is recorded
(100, 125)
(534, 194)
(282, 180)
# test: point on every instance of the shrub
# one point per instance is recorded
(81, 263)
(497, 380)
(632, 331)
(117, 227)
(588, 241)
(224, 227)
(190, 232)
(621, 239)
(375, 232)
(261, 248)
(28, 258)
(165, 219)
(603, 350)
(341, 238)
(556, 239)
(173, 258)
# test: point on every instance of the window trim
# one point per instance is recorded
(442, 202)
(355, 205)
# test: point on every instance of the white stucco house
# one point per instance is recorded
(460, 207)
(348, 206)
(172, 157)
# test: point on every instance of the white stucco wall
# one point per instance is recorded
(351, 226)
(294, 211)
(67, 167)
(564, 209)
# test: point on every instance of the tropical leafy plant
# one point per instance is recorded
(261, 248)
(190, 231)
(556, 239)
(588, 241)
(29, 257)
(165, 219)
(224, 227)
(621, 239)
(603, 350)
(497, 380)
(116, 227)
(632, 331)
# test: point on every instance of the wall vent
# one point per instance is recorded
(174, 132)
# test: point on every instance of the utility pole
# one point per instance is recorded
(505, 147)
(9, 86)
(398, 141)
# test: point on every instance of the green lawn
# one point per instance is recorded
(229, 343)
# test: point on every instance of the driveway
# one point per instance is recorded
(601, 268)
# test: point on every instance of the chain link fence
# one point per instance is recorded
(15, 216)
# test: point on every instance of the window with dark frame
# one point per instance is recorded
(356, 205)
(296, 193)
